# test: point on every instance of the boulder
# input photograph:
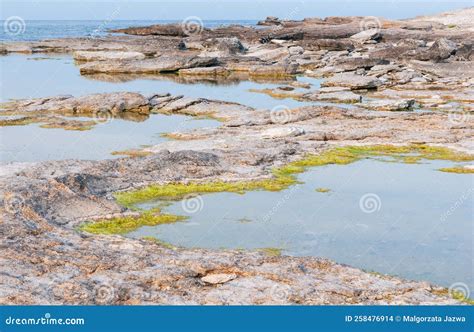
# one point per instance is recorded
(440, 50)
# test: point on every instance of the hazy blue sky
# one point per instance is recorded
(223, 9)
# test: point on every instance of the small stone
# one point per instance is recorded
(218, 278)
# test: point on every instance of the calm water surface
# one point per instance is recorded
(34, 76)
(412, 230)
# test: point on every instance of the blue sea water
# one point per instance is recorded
(28, 30)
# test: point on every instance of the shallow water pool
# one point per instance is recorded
(401, 219)
(39, 75)
(33, 143)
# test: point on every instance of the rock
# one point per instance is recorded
(281, 132)
(226, 45)
(158, 65)
(296, 50)
(279, 70)
(353, 63)
(218, 278)
(105, 56)
(440, 50)
(389, 105)
(173, 30)
(366, 35)
(329, 44)
(355, 82)
(205, 71)
(106, 103)
(340, 96)
(379, 70)
(270, 20)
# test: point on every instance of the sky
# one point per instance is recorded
(220, 9)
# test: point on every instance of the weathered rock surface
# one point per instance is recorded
(162, 64)
(45, 260)
(353, 81)
(105, 56)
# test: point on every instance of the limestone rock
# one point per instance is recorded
(105, 56)
(355, 82)
(218, 278)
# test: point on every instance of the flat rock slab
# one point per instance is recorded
(157, 65)
(389, 105)
(353, 81)
(218, 278)
(105, 56)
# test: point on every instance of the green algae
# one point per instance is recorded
(123, 225)
(322, 190)
(457, 169)
(284, 176)
(271, 251)
(159, 242)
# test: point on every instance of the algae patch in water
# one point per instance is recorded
(322, 190)
(284, 177)
(458, 170)
(123, 225)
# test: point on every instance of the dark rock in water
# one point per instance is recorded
(172, 30)
(270, 20)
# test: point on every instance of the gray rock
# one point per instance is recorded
(355, 82)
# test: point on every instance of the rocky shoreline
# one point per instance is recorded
(407, 82)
